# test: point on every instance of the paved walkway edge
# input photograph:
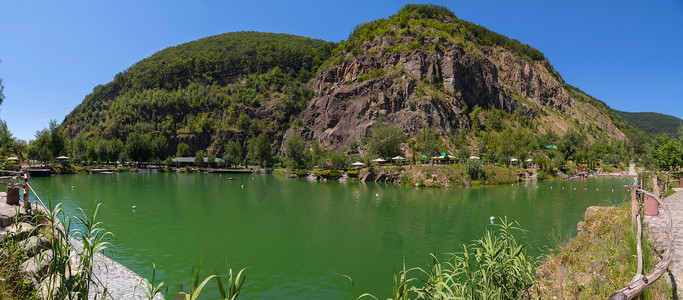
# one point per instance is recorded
(656, 226)
(121, 282)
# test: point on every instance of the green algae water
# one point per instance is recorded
(295, 237)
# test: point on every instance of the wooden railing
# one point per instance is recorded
(640, 282)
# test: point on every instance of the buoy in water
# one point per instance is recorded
(492, 219)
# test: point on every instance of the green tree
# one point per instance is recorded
(102, 150)
(199, 158)
(233, 153)
(79, 149)
(317, 153)
(259, 150)
(429, 143)
(116, 147)
(338, 160)
(571, 144)
(49, 143)
(6, 140)
(91, 151)
(295, 152)
(667, 153)
(159, 146)
(183, 150)
(58, 139)
(385, 140)
(20, 147)
(138, 147)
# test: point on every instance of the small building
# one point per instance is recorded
(189, 161)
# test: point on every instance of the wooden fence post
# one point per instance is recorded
(27, 204)
(634, 206)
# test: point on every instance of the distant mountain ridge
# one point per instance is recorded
(653, 123)
(422, 69)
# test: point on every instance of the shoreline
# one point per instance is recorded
(412, 175)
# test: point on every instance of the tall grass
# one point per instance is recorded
(494, 267)
(70, 274)
(13, 285)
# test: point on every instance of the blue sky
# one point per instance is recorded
(626, 53)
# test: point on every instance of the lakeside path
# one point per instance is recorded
(121, 282)
(657, 230)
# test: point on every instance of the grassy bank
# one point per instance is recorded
(599, 261)
(448, 176)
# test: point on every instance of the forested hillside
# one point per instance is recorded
(653, 123)
(232, 85)
(442, 83)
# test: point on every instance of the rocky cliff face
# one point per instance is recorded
(432, 88)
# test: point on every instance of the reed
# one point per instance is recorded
(70, 274)
(494, 267)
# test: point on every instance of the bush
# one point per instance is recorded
(301, 173)
(474, 169)
(330, 174)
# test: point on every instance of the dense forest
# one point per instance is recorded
(653, 123)
(233, 85)
(241, 96)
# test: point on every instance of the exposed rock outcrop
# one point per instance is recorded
(437, 89)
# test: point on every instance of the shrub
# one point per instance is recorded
(474, 169)
(301, 173)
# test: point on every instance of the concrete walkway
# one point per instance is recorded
(121, 282)
(657, 231)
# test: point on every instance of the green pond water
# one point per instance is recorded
(296, 236)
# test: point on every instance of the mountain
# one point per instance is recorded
(425, 68)
(422, 69)
(217, 88)
(653, 123)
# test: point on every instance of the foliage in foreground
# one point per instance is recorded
(13, 285)
(599, 261)
(68, 275)
(494, 267)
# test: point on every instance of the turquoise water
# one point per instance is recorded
(295, 237)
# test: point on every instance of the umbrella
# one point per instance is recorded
(513, 159)
(62, 157)
(451, 157)
(438, 157)
(378, 160)
(358, 164)
(398, 158)
(474, 157)
(13, 158)
(529, 160)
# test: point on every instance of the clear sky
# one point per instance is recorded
(626, 53)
